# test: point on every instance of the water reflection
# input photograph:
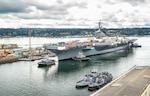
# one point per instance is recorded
(110, 58)
(50, 71)
(71, 65)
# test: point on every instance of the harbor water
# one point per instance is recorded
(25, 78)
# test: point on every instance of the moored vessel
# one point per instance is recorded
(101, 80)
(88, 79)
(95, 80)
(98, 44)
(47, 61)
(81, 57)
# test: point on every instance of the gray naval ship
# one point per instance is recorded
(96, 45)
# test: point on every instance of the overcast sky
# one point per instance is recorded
(74, 13)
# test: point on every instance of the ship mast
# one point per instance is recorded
(29, 39)
(29, 33)
(99, 25)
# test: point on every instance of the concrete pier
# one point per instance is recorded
(132, 83)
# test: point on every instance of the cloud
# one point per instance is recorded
(59, 1)
(135, 2)
(55, 10)
(12, 6)
(74, 13)
(132, 2)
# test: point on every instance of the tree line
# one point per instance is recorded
(57, 32)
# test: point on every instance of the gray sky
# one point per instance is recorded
(74, 13)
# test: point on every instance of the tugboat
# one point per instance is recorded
(46, 62)
(101, 80)
(95, 80)
(81, 57)
(88, 78)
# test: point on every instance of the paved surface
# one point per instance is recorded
(132, 83)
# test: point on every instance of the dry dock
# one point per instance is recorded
(132, 83)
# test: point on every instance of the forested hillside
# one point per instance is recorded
(50, 32)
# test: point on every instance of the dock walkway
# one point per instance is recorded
(132, 83)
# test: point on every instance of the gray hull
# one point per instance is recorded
(67, 54)
(70, 53)
(95, 52)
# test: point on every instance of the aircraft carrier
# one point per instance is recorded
(98, 44)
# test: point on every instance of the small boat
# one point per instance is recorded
(46, 62)
(82, 83)
(89, 78)
(101, 80)
(81, 57)
(94, 80)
